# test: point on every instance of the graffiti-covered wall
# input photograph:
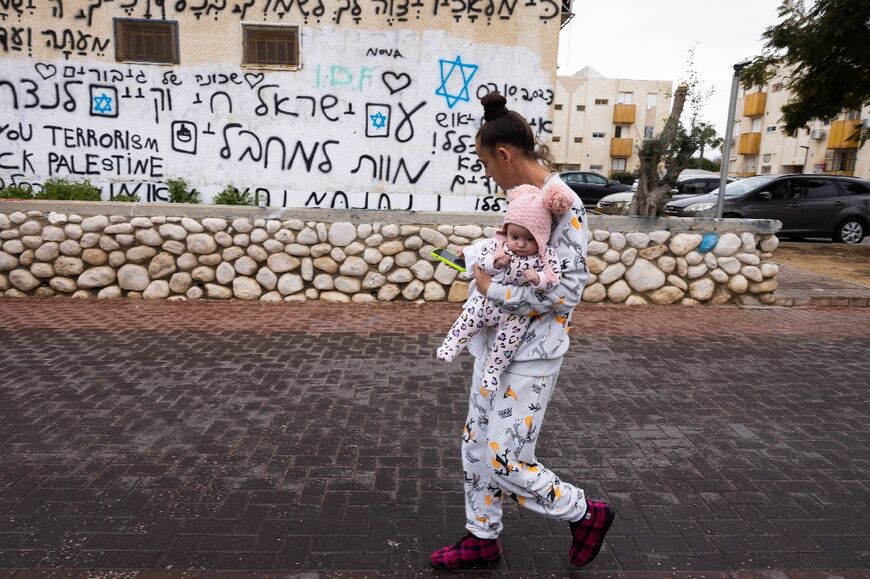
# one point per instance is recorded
(381, 114)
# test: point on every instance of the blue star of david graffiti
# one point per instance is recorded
(103, 104)
(379, 121)
(448, 69)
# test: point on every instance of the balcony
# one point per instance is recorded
(750, 144)
(841, 131)
(621, 147)
(753, 104)
(624, 114)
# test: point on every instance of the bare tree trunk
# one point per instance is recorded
(674, 148)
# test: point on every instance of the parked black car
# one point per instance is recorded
(824, 205)
(591, 187)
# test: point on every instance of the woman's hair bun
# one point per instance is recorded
(493, 106)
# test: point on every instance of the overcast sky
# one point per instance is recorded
(651, 39)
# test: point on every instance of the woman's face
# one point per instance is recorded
(497, 165)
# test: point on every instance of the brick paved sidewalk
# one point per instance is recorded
(285, 439)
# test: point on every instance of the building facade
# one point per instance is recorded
(598, 122)
(760, 146)
(330, 103)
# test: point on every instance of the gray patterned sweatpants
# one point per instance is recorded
(498, 454)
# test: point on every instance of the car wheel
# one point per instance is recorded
(850, 231)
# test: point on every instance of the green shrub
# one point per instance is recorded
(16, 192)
(127, 198)
(624, 177)
(231, 195)
(179, 193)
(66, 190)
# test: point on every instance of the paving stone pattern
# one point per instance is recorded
(291, 438)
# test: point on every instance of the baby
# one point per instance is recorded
(519, 254)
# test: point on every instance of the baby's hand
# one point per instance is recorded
(531, 276)
(501, 262)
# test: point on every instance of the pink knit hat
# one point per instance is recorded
(532, 208)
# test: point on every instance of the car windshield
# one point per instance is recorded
(743, 186)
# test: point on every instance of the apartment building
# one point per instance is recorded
(598, 122)
(760, 146)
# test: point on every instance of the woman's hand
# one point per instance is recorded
(482, 278)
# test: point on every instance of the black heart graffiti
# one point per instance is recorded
(253, 79)
(46, 71)
(396, 81)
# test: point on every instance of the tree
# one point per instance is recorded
(825, 50)
(708, 136)
(664, 156)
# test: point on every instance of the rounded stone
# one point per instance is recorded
(644, 276)
(30, 228)
(765, 286)
(63, 285)
(667, 295)
(730, 265)
(149, 237)
(338, 254)
(693, 258)
(225, 273)
(86, 295)
(200, 243)
(634, 300)
(163, 265)
(597, 248)
(42, 270)
(683, 243)
(682, 267)
(616, 240)
(628, 256)
(341, 234)
(719, 275)
(348, 285)
(119, 228)
(637, 240)
(246, 288)
(702, 289)
(23, 280)
(386, 264)
(374, 280)
(320, 250)
(259, 235)
(290, 283)
(594, 293)
(747, 241)
(282, 263)
(728, 245)
(678, 282)
(431, 237)
(156, 290)
(218, 292)
(394, 247)
(769, 244)
(374, 240)
(7, 261)
(13, 246)
(611, 256)
(203, 273)
(70, 247)
(354, 266)
(335, 297)
(696, 271)
(142, 222)
(423, 270)
(326, 264)
(271, 297)
(73, 231)
(26, 258)
(172, 231)
(307, 268)
(186, 261)
(69, 266)
(133, 277)
(95, 223)
(401, 275)
(752, 273)
(659, 236)
(194, 293)
(242, 239)
(653, 252)
(307, 236)
(96, 277)
(748, 258)
(223, 239)
(267, 278)
(406, 258)
(323, 281)
(413, 290)
(242, 225)
(17, 217)
(667, 263)
(117, 259)
(246, 266)
(769, 269)
(612, 273)
(47, 251)
(212, 259)
(52, 233)
(618, 292)
(140, 253)
(372, 256)
(180, 282)
(232, 253)
(214, 225)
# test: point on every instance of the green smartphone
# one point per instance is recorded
(449, 258)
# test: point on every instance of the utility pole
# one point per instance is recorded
(729, 134)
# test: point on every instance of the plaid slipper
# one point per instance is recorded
(588, 533)
(467, 552)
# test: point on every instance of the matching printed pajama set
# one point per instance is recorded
(502, 426)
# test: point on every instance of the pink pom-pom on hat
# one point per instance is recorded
(531, 208)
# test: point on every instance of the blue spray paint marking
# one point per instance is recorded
(454, 93)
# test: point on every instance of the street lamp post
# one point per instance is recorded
(729, 134)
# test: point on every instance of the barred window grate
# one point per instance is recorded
(271, 45)
(146, 41)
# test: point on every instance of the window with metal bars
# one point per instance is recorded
(271, 46)
(154, 41)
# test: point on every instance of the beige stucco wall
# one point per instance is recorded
(779, 153)
(569, 123)
(304, 138)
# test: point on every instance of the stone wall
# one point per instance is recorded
(178, 252)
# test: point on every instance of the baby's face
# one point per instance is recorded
(520, 241)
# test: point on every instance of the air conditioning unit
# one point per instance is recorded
(817, 134)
